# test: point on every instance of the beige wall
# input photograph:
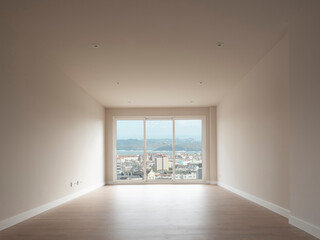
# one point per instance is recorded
(213, 144)
(110, 113)
(305, 114)
(51, 131)
(253, 130)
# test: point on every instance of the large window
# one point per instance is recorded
(188, 149)
(130, 150)
(159, 137)
(159, 150)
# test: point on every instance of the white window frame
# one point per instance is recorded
(173, 118)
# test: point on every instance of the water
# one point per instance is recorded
(141, 152)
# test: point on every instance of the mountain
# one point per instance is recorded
(130, 144)
(188, 144)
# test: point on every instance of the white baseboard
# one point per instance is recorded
(271, 206)
(213, 182)
(109, 182)
(305, 226)
(35, 211)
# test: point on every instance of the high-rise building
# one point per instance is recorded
(161, 163)
(165, 163)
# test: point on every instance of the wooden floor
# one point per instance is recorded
(155, 212)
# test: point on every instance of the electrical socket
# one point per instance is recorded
(79, 182)
(73, 184)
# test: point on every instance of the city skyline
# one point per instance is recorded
(159, 166)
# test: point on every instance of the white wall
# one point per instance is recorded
(204, 111)
(253, 130)
(305, 114)
(51, 131)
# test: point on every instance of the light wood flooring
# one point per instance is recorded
(152, 212)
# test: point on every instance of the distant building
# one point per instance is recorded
(199, 173)
(190, 175)
(161, 163)
(151, 175)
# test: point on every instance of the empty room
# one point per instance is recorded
(159, 119)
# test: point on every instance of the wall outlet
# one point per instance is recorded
(73, 184)
(79, 182)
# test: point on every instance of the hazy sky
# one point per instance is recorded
(157, 129)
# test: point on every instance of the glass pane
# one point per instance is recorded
(130, 150)
(188, 149)
(159, 162)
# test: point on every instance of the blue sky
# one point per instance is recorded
(157, 129)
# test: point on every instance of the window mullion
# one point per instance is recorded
(173, 151)
(144, 151)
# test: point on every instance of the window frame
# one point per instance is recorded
(173, 118)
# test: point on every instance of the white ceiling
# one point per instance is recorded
(158, 51)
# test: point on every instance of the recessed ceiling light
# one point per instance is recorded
(201, 82)
(129, 101)
(95, 45)
(191, 101)
(117, 83)
(220, 44)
